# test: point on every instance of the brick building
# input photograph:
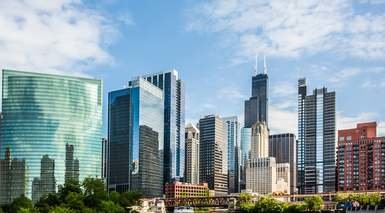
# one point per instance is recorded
(183, 190)
(360, 159)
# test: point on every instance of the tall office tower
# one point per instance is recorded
(174, 122)
(46, 184)
(105, 153)
(41, 113)
(316, 140)
(213, 153)
(245, 152)
(283, 148)
(360, 159)
(192, 154)
(135, 135)
(256, 108)
(233, 149)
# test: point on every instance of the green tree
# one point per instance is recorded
(295, 208)
(74, 201)
(94, 192)
(69, 186)
(25, 210)
(245, 203)
(21, 202)
(47, 202)
(61, 209)
(374, 199)
(129, 199)
(313, 203)
(269, 204)
(114, 197)
(110, 207)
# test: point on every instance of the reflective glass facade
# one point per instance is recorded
(245, 151)
(50, 131)
(233, 161)
(135, 131)
(316, 140)
(174, 122)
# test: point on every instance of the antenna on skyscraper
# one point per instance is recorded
(256, 64)
(264, 65)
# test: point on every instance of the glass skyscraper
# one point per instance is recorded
(135, 134)
(174, 122)
(316, 144)
(51, 128)
(233, 153)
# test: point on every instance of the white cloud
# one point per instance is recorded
(293, 28)
(52, 36)
(229, 93)
(345, 74)
(282, 120)
(348, 122)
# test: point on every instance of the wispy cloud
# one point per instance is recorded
(53, 36)
(293, 28)
(345, 74)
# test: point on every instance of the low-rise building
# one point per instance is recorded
(181, 190)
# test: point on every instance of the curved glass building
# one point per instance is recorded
(51, 130)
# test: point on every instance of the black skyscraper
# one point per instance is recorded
(256, 108)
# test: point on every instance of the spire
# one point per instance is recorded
(264, 65)
(256, 64)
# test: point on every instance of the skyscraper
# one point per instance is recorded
(213, 153)
(233, 150)
(174, 122)
(71, 164)
(41, 113)
(256, 108)
(192, 154)
(245, 153)
(283, 148)
(316, 140)
(135, 133)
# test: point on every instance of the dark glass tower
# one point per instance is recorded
(256, 108)
(135, 134)
(174, 122)
(316, 140)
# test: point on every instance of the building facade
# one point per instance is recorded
(283, 148)
(186, 190)
(361, 159)
(135, 133)
(233, 153)
(174, 122)
(261, 175)
(283, 178)
(245, 154)
(316, 140)
(43, 114)
(213, 154)
(192, 154)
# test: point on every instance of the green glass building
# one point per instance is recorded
(51, 130)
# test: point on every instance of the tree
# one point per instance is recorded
(129, 199)
(114, 197)
(21, 202)
(47, 202)
(69, 186)
(24, 210)
(94, 192)
(245, 203)
(269, 204)
(61, 209)
(374, 199)
(74, 201)
(313, 203)
(110, 207)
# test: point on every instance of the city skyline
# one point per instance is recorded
(112, 48)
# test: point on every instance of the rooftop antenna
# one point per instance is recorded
(256, 64)
(264, 65)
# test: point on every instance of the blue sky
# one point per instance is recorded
(338, 44)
